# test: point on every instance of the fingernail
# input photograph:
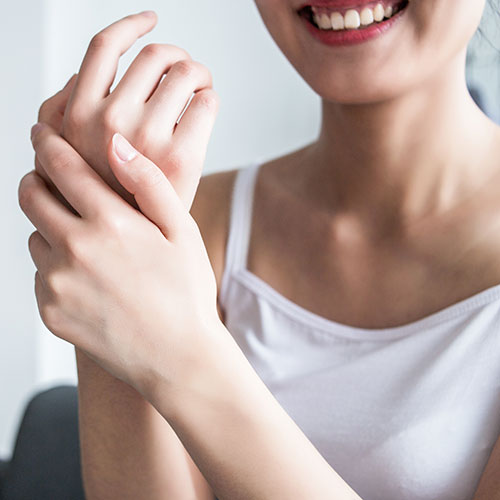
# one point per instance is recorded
(123, 149)
(148, 13)
(35, 129)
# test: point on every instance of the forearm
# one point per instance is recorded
(489, 484)
(128, 450)
(240, 437)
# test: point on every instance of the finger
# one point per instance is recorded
(153, 192)
(192, 136)
(146, 71)
(40, 290)
(174, 92)
(195, 127)
(50, 186)
(52, 110)
(43, 296)
(39, 250)
(41, 172)
(77, 182)
(100, 63)
(51, 219)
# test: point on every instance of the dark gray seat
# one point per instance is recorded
(45, 464)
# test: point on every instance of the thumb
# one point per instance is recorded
(152, 191)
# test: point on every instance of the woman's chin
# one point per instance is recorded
(357, 89)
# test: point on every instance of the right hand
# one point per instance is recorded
(143, 107)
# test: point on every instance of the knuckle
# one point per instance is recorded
(208, 99)
(179, 51)
(111, 117)
(164, 51)
(45, 110)
(74, 248)
(100, 41)
(204, 72)
(185, 68)
(115, 225)
(153, 50)
(33, 240)
(145, 136)
(26, 190)
(51, 316)
(175, 160)
(55, 285)
(74, 117)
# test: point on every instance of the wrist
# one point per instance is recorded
(203, 371)
(237, 433)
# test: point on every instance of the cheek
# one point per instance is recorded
(427, 40)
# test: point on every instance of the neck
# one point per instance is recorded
(416, 154)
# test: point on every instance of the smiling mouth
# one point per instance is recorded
(352, 18)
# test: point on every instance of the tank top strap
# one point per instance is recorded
(240, 223)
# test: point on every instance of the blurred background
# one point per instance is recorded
(266, 110)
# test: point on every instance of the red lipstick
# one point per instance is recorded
(347, 37)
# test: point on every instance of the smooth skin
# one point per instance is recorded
(400, 185)
(437, 216)
(84, 284)
(141, 107)
(126, 444)
(136, 325)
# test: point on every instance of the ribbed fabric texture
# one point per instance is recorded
(404, 413)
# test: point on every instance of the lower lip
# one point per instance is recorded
(353, 36)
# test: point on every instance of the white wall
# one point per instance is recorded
(21, 66)
(266, 109)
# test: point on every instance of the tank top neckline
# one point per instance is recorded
(236, 269)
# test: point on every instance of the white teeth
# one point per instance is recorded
(378, 12)
(352, 19)
(337, 21)
(366, 16)
(324, 22)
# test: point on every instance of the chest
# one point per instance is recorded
(320, 267)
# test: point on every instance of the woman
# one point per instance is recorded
(360, 276)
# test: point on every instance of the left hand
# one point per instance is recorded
(145, 107)
(134, 290)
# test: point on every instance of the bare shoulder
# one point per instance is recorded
(211, 211)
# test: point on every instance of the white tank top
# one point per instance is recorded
(403, 413)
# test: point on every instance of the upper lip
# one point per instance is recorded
(344, 3)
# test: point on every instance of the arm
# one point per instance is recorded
(489, 485)
(127, 449)
(105, 419)
(238, 434)
(157, 328)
